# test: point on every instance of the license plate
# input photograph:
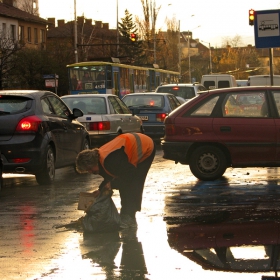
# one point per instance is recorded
(144, 118)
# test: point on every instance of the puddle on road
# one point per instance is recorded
(134, 254)
(154, 251)
(144, 253)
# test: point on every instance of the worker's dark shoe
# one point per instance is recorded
(127, 222)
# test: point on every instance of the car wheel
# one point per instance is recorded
(46, 176)
(85, 146)
(208, 163)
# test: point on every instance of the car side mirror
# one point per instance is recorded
(77, 113)
(134, 111)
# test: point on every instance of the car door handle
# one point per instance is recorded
(225, 128)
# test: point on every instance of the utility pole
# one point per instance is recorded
(179, 52)
(118, 28)
(75, 33)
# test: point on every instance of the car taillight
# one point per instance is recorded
(170, 128)
(20, 160)
(161, 117)
(99, 126)
(30, 123)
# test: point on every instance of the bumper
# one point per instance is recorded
(100, 139)
(28, 147)
(154, 131)
(31, 167)
(176, 151)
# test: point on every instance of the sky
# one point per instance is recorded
(210, 21)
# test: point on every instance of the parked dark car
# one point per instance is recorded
(217, 130)
(152, 108)
(39, 133)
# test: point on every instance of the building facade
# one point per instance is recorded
(21, 27)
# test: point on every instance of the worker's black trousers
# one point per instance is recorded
(131, 193)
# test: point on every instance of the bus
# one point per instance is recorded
(116, 78)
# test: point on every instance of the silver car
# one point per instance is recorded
(105, 116)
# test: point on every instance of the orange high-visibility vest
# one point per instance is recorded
(137, 146)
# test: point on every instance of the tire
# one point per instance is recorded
(85, 146)
(47, 175)
(208, 163)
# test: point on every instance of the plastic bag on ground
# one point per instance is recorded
(102, 215)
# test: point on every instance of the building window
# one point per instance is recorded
(4, 29)
(21, 33)
(13, 32)
(42, 36)
(29, 34)
(35, 35)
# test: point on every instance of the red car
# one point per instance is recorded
(216, 130)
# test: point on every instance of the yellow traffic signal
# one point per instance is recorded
(133, 37)
(251, 17)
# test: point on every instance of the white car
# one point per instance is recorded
(105, 116)
(186, 91)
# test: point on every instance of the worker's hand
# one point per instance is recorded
(96, 193)
(108, 186)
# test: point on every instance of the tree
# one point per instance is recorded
(8, 48)
(147, 30)
(30, 66)
(168, 43)
(234, 42)
(29, 7)
(234, 61)
(129, 51)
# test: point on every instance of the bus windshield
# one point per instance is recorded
(92, 79)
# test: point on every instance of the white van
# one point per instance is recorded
(263, 80)
(212, 81)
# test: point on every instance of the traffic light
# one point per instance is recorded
(251, 17)
(133, 37)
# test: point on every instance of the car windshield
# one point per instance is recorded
(144, 100)
(89, 105)
(184, 92)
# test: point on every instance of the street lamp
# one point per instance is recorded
(179, 52)
(118, 40)
(179, 48)
(189, 56)
(210, 56)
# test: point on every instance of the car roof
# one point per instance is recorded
(182, 85)
(88, 95)
(245, 88)
(150, 93)
(27, 93)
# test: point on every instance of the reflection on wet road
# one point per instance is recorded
(187, 229)
(226, 227)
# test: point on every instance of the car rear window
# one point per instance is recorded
(140, 100)
(14, 104)
(184, 92)
(89, 105)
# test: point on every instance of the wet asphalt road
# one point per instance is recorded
(187, 229)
